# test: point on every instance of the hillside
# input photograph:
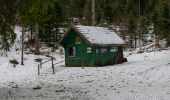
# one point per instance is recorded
(144, 77)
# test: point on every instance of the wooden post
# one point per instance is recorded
(41, 64)
(82, 63)
(22, 54)
(38, 69)
(52, 64)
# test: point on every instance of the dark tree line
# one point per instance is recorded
(44, 17)
(134, 16)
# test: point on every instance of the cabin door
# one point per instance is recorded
(98, 57)
(81, 55)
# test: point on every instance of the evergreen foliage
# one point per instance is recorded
(7, 14)
(135, 15)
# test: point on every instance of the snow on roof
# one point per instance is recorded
(99, 35)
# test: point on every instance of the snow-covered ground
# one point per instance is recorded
(145, 76)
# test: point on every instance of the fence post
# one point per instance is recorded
(52, 64)
(38, 69)
(40, 63)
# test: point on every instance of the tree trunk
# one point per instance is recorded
(131, 40)
(157, 40)
(135, 41)
(22, 54)
(31, 32)
(37, 51)
(168, 40)
(93, 13)
(150, 2)
(168, 37)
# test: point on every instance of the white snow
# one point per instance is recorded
(99, 35)
(145, 76)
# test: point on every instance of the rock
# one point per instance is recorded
(37, 87)
(14, 62)
(124, 60)
(38, 60)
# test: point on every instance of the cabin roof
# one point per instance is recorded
(99, 35)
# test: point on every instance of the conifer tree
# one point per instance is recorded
(7, 19)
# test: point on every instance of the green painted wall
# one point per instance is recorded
(83, 58)
(106, 58)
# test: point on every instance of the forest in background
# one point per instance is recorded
(135, 18)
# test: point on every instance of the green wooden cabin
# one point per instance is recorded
(91, 46)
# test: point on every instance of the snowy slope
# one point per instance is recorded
(145, 76)
(20, 74)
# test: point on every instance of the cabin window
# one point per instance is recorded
(89, 49)
(97, 50)
(103, 50)
(72, 51)
(113, 49)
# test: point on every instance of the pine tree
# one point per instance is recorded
(132, 27)
(35, 12)
(7, 19)
(160, 20)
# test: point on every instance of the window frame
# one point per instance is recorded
(73, 51)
